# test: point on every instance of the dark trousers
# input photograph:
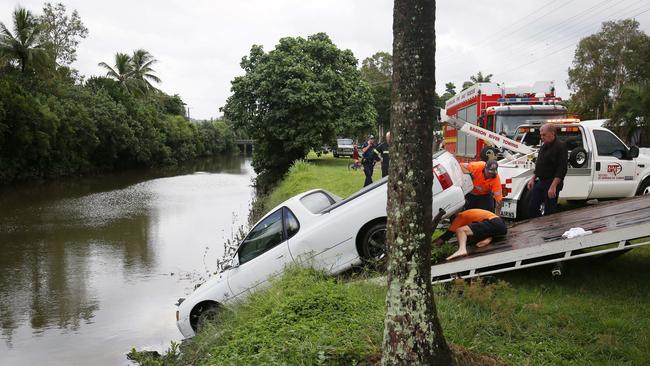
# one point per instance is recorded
(367, 170)
(485, 202)
(539, 195)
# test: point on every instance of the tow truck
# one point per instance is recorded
(601, 166)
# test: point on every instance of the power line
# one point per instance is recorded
(500, 31)
(567, 46)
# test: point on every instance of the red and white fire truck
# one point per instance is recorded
(498, 109)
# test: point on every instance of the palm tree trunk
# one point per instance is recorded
(412, 333)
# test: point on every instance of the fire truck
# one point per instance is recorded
(498, 109)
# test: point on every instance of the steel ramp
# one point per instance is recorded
(616, 225)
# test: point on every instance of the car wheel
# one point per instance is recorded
(489, 153)
(373, 246)
(205, 313)
(578, 157)
(644, 187)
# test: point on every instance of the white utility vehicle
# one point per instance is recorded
(315, 228)
(344, 147)
(601, 166)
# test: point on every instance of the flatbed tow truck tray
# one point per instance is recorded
(616, 226)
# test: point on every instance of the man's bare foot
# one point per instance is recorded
(484, 243)
(457, 254)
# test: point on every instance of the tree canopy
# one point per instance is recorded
(62, 32)
(53, 124)
(377, 71)
(296, 97)
(134, 73)
(24, 44)
(478, 78)
(604, 62)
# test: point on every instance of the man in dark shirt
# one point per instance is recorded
(370, 156)
(384, 151)
(550, 170)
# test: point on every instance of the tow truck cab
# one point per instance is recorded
(601, 166)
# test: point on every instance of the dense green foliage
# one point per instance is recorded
(632, 112)
(52, 124)
(377, 71)
(604, 63)
(297, 97)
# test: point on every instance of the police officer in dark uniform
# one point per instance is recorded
(370, 156)
(384, 151)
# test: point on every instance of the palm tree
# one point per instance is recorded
(24, 44)
(122, 71)
(479, 78)
(141, 62)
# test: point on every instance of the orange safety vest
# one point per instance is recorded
(469, 216)
(483, 185)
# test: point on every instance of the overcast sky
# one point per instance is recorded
(199, 44)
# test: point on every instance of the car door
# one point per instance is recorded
(264, 252)
(614, 175)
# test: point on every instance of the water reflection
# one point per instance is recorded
(97, 257)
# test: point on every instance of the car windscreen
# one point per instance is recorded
(315, 202)
(344, 141)
(509, 123)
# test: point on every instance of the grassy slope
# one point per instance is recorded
(595, 314)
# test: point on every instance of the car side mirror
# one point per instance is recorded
(235, 261)
(634, 152)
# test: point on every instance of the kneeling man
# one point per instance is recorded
(481, 224)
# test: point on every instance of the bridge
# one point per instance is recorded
(244, 145)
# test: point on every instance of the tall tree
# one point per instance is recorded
(478, 78)
(377, 70)
(605, 62)
(62, 32)
(298, 96)
(121, 71)
(25, 44)
(142, 72)
(412, 334)
(632, 113)
(450, 91)
(450, 88)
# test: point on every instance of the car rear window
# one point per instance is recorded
(315, 202)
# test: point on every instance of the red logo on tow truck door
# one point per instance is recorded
(615, 168)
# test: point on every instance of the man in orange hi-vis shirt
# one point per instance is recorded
(481, 224)
(487, 185)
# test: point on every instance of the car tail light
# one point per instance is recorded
(443, 177)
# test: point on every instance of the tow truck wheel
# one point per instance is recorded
(578, 157)
(373, 246)
(522, 206)
(644, 187)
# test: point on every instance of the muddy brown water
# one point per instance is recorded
(91, 267)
